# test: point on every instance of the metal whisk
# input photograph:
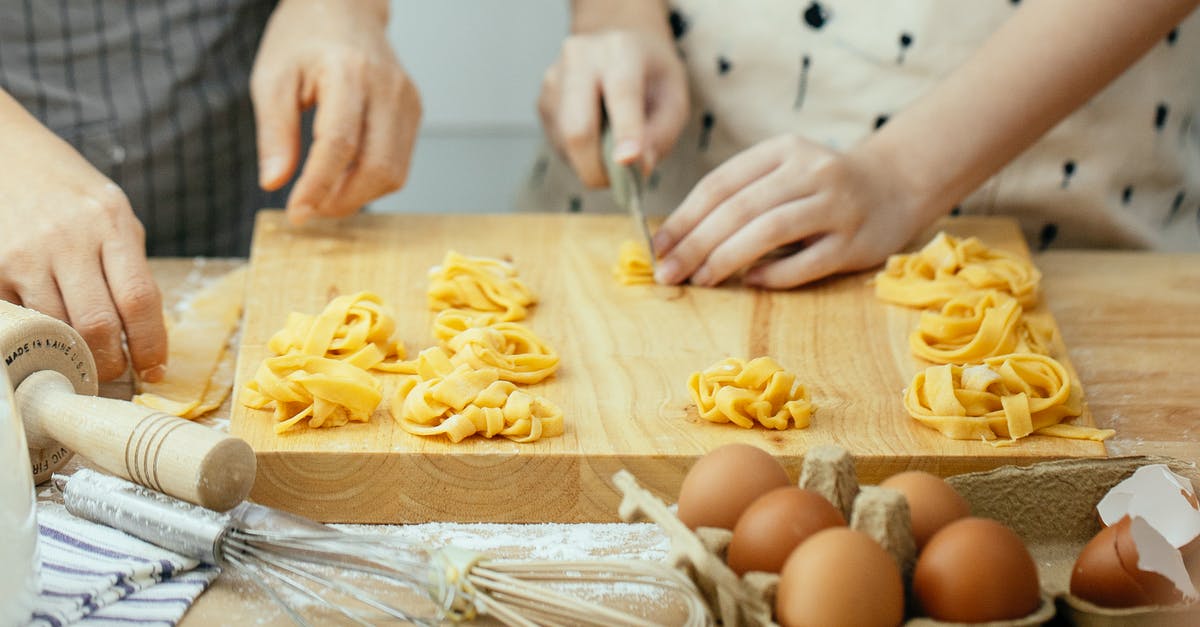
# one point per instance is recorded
(290, 557)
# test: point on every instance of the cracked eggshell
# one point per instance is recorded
(1129, 564)
(1162, 498)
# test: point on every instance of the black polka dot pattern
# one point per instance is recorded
(880, 120)
(1047, 235)
(575, 204)
(1127, 195)
(723, 65)
(815, 16)
(679, 24)
(906, 42)
(706, 125)
(802, 86)
(1068, 172)
(1160, 116)
(1176, 205)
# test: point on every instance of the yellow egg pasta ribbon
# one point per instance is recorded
(478, 283)
(633, 264)
(976, 325)
(326, 392)
(947, 267)
(743, 393)
(477, 340)
(202, 351)
(450, 322)
(319, 371)
(1008, 396)
(351, 325)
(459, 401)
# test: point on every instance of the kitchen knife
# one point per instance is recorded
(626, 184)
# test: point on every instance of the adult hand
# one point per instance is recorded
(73, 249)
(846, 211)
(633, 76)
(334, 55)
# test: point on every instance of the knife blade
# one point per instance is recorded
(627, 186)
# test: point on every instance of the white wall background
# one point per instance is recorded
(479, 65)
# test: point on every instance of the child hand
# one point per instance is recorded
(635, 78)
(848, 211)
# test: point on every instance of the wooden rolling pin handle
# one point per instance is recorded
(160, 451)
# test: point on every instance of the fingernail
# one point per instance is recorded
(269, 170)
(660, 241)
(701, 277)
(300, 214)
(627, 150)
(154, 374)
(666, 272)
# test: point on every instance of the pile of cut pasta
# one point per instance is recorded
(995, 376)
(467, 384)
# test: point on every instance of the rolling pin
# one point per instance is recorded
(54, 374)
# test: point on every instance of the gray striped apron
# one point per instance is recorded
(155, 94)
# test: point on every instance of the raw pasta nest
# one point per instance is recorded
(1009, 396)
(744, 393)
(974, 326)
(326, 392)
(320, 369)
(459, 401)
(478, 283)
(633, 264)
(948, 267)
(512, 349)
(353, 327)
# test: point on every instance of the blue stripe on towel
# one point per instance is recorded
(97, 576)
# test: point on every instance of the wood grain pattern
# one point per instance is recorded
(626, 355)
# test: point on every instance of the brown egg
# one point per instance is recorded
(723, 483)
(976, 570)
(1107, 575)
(839, 577)
(774, 524)
(932, 502)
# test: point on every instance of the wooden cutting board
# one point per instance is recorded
(626, 351)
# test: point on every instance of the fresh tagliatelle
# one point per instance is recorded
(477, 340)
(459, 401)
(744, 393)
(974, 326)
(325, 392)
(320, 369)
(633, 264)
(1009, 396)
(352, 327)
(948, 267)
(480, 284)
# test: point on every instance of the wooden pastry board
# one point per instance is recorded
(627, 352)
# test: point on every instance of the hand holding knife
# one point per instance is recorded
(625, 181)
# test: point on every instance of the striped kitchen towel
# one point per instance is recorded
(95, 575)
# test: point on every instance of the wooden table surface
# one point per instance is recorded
(1131, 322)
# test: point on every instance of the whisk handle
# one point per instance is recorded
(167, 522)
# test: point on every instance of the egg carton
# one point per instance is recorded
(749, 600)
